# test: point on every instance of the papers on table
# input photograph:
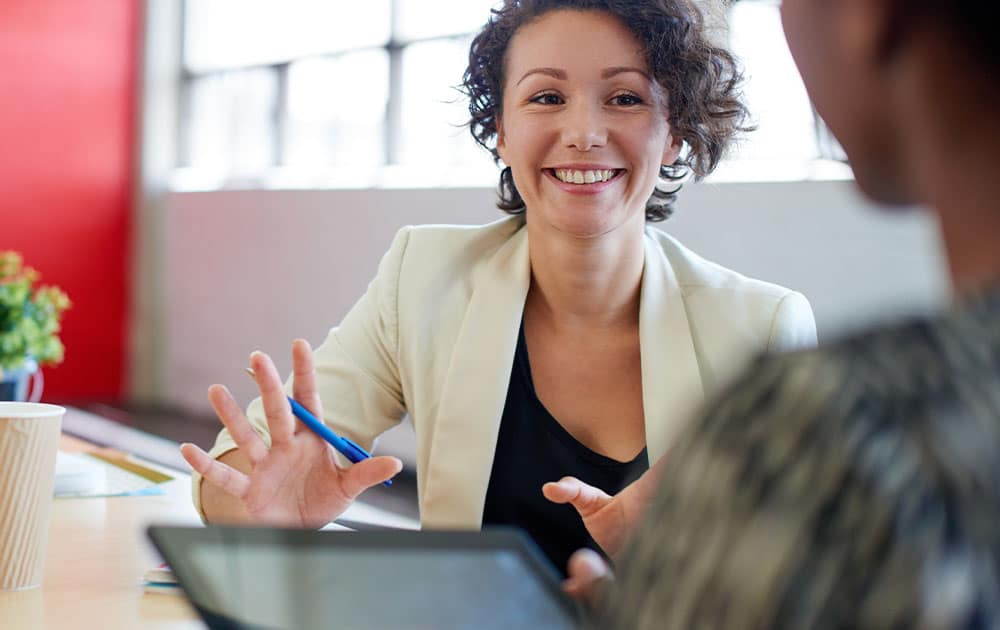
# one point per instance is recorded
(104, 473)
(160, 580)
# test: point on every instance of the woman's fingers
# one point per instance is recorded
(272, 395)
(604, 516)
(586, 571)
(304, 379)
(229, 479)
(585, 498)
(368, 472)
(246, 438)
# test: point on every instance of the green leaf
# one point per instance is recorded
(29, 317)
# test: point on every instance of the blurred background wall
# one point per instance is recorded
(252, 270)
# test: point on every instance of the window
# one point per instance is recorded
(327, 92)
(790, 138)
(335, 115)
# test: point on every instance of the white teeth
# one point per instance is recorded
(572, 176)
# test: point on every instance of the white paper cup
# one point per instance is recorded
(29, 441)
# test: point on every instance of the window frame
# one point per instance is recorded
(394, 48)
(828, 154)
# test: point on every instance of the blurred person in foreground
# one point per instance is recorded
(858, 485)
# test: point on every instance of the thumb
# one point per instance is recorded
(585, 498)
(367, 473)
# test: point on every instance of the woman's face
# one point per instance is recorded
(584, 126)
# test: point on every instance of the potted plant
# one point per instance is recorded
(29, 327)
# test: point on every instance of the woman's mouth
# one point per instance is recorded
(584, 181)
(579, 176)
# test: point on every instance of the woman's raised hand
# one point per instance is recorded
(296, 482)
(608, 519)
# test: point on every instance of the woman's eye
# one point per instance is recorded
(626, 100)
(547, 99)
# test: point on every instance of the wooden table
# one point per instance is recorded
(97, 553)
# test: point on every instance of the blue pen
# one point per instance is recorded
(344, 445)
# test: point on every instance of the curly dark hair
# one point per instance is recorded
(703, 83)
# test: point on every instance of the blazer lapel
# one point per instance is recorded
(475, 388)
(672, 388)
(474, 392)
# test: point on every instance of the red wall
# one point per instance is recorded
(67, 78)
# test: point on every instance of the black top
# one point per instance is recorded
(532, 449)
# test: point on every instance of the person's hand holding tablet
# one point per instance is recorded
(297, 480)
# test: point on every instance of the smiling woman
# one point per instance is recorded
(568, 341)
(593, 124)
(698, 84)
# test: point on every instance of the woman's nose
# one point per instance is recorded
(584, 128)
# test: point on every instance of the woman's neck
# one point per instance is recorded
(577, 282)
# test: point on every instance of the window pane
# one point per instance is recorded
(228, 33)
(336, 111)
(777, 99)
(434, 112)
(231, 115)
(448, 17)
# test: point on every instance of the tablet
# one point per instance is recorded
(239, 577)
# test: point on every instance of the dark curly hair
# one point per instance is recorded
(703, 83)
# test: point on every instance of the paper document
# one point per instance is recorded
(104, 473)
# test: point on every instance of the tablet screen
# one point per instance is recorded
(371, 580)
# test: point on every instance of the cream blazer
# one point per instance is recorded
(434, 337)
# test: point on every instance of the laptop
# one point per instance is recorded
(260, 578)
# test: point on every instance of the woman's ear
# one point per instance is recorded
(501, 138)
(672, 149)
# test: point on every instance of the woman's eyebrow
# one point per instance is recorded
(552, 72)
(607, 73)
